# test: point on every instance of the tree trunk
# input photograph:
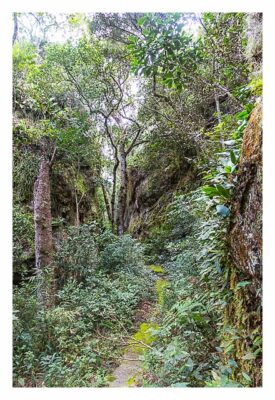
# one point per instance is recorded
(218, 108)
(107, 202)
(43, 224)
(15, 29)
(113, 199)
(123, 190)
(77, 221)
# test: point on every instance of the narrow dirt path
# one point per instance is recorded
(128, 369)
(129, 372)
(126, 374)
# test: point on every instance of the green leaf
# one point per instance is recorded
(210, 191)
(141, 20)
(242, 284)
(233, 157)
(249, 356)
(223, 191)
(227, 169)
(247, 377)
(233, 363)
(229, 348)
(245, 113)
(190, 364)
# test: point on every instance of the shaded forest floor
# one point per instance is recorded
(130, 372)
(127, 374)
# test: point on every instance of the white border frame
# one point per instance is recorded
(56, 6)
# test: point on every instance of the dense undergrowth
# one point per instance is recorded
(197, 342)
(102, 278)
(77, 342)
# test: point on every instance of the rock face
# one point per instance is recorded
(254, 46)
(245, 233)
(149, 193)
(244, 310)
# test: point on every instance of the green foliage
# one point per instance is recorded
(28, 335)
(25, 171)
(168, 51)
(77, 255)
(256, 86)
(161, 285)
(123, 254)
(221, 172)
(157, 268)
(199, 295)
(191, 304)
(96, 296)
(23, 239)
(217, 190)
(64, 344)
(145, 335)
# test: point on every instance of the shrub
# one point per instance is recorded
(77, 256)
(23, 240)
(124, 253)
(75, 342)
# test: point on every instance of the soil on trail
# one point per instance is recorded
(129, 368)
(127, 373)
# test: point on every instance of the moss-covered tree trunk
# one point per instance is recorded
(42, 224)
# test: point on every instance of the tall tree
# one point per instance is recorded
(43, 221)
(100, 76)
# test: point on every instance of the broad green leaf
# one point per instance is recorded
(227, 169)
(233, 157)
(190, 364)
(249, 356)
(242, 284)
(233, 363)
(247, 377)
(223, 191)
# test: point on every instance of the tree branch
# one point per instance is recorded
(53, 156)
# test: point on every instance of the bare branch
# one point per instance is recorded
(53, 156)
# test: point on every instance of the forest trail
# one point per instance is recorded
(128, 370)
(128, 373)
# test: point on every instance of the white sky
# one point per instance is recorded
(29, 26)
